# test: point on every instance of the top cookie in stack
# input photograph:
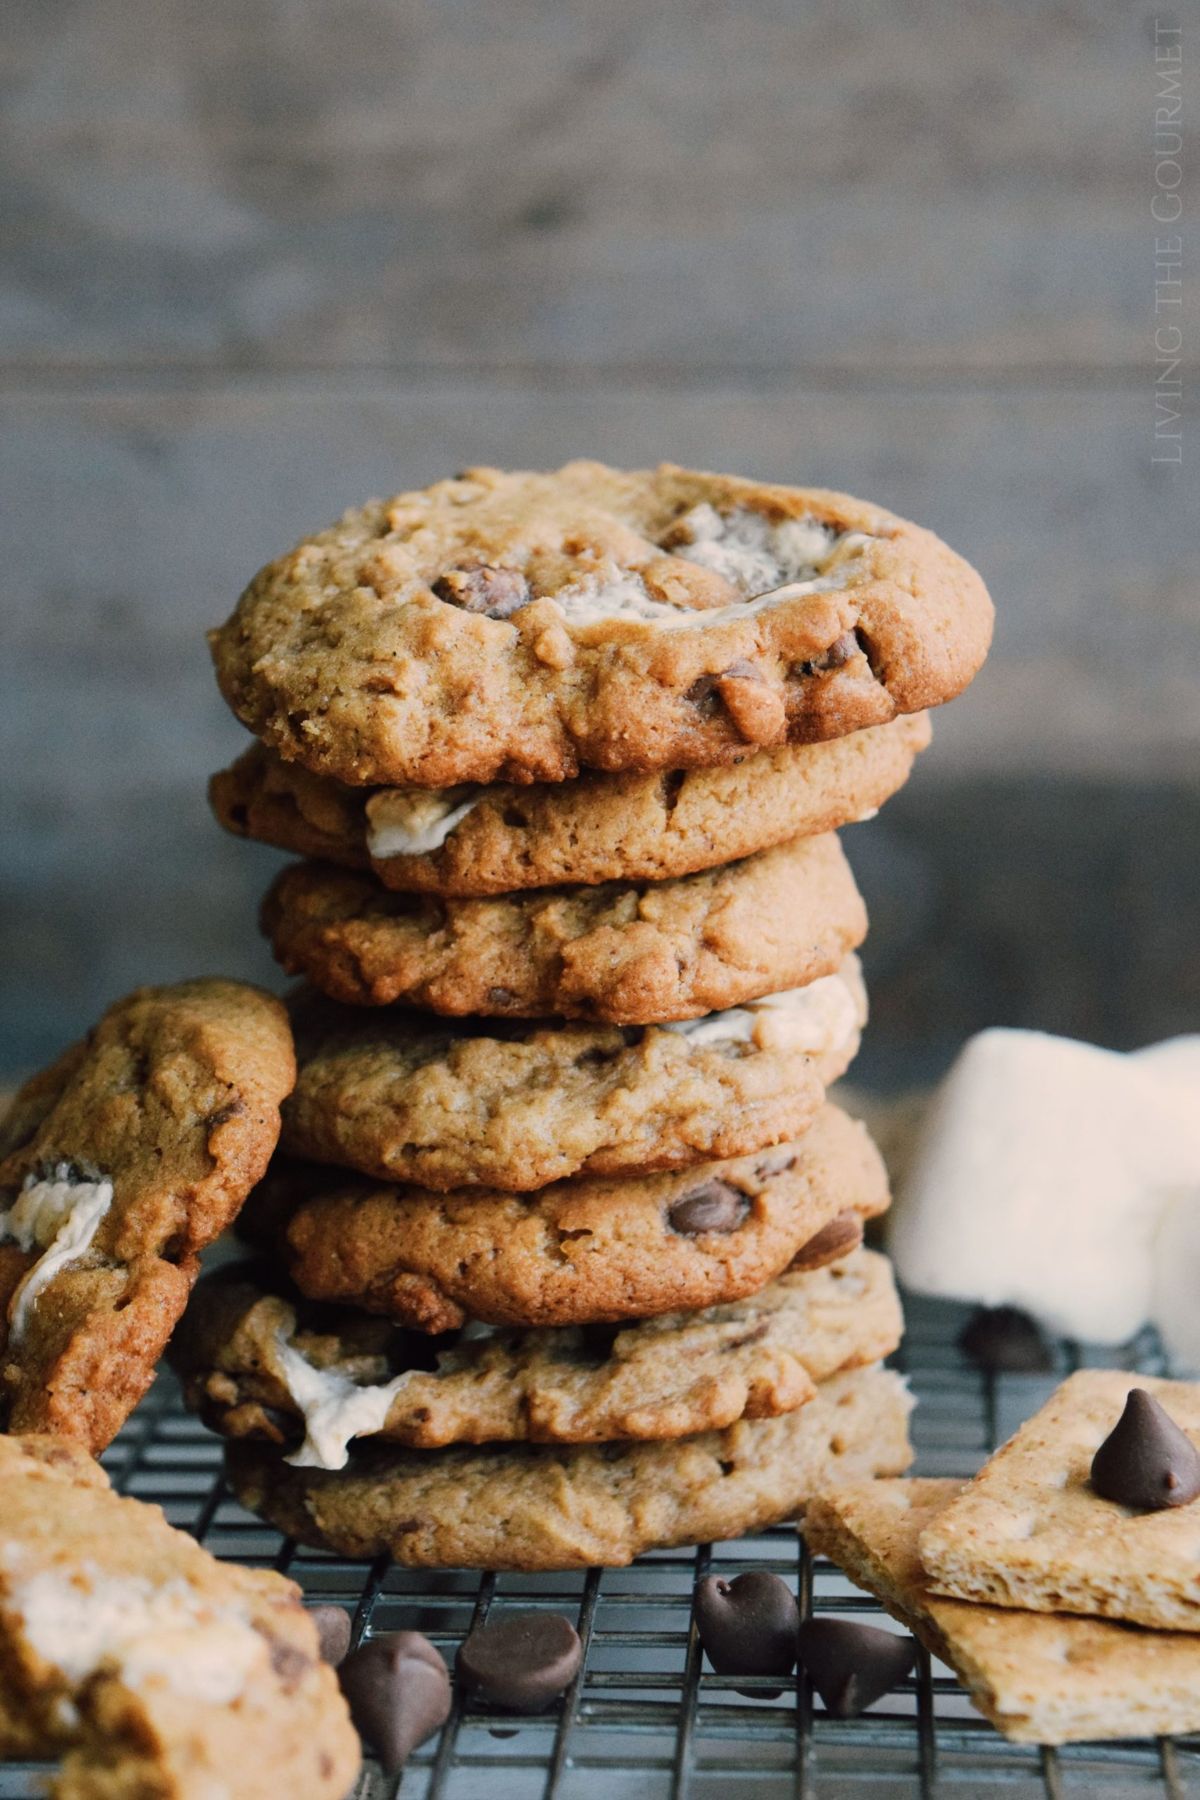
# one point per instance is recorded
(568, 753)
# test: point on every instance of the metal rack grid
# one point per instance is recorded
(645, 1720)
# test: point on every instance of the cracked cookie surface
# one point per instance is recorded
(396, 1095)
(551, 1507)
(148, 1666)
(258, 1363)
(521, 626)
(579, 1252)
(477, 840)
(118, 1164)
(623, 953)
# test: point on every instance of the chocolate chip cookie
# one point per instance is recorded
(477, 840)
(546, 1507)
(578, 1252)
(399, 1096)
(520, 626)
(260, 1363)
(118, 1164)
(150, 1668)
(624, 953)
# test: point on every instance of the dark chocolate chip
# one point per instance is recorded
(333, 1631)
(838, 1238)
(398, 1690)
(851, 1666)
(704, 697)
(838, 653)
(1146, 1461)
(521, 1661)
(484, 588)
(1005, 1339)
(747, 1626)
(232, 1110)
(714, 1206)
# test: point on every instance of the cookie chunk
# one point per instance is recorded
(1032, 1531)
(146, 1665)
(520, 626)
(578, 1252)
(622, 953)
(401, 1097)
(545, 1507)
(1039, 1678)
(118, 1164)
(259, 1363)
(476, 840)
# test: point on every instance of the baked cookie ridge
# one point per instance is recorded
(621, 953)
(396, 1095)
(474, 840)
(523, 626)
(546, 1507)
(257, 1362)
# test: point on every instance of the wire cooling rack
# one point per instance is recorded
(645, 1719)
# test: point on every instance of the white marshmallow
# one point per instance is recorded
(1175, 1064)
(1042, 1174)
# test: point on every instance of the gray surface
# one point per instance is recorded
(267, 257)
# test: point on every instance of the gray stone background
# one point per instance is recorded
(263, 258)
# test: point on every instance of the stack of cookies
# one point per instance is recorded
(564, 1236)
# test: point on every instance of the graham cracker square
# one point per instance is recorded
(1039, 1678)
(1029, 1531)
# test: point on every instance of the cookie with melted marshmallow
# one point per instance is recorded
(118, 1164)
(523, 626)
(397, 1095)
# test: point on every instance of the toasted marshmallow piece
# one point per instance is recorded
(1042, 1174)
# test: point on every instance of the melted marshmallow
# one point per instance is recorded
(821, 1018)
(148, 1635)
(410, 821)
(335, 1408)
(770, 562)
(58, 1215)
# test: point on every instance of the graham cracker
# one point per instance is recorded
(1029, 1531)
(1040, 1679)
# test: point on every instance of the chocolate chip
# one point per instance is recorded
(333, 1631)
(1146, 1461)
(704, 697)
(842, 1234)
(521, 1661)
(747, 1626)
(484, 588)
(233, 1110)
(851, 1666)
(398, 1691)
(838, 653)
(1005, 1339)
(714, 1206)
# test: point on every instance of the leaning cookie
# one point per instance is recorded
(118, 1164)
(150, 1668)
(257, 1363)
(578, 1252)
(520, 626)
(475, 840)
(405, 1098)
(623, 953)
(545, 1507)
